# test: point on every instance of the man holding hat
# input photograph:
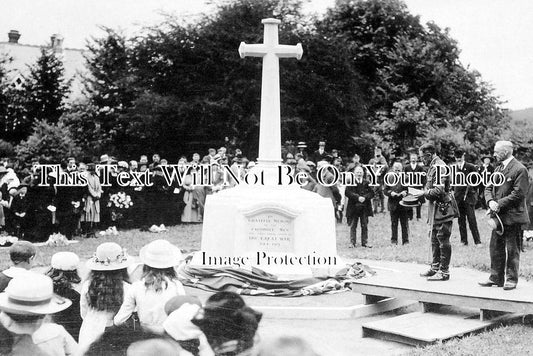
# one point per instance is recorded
(508, 201)
(441, 212)
(398, 213)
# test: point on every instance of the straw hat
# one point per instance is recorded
(32, 294)
(109, 256)
(410, 201)
(160, 254)
(65, 261)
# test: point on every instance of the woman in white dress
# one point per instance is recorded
(159, 284)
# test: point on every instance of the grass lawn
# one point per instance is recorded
(497, 342)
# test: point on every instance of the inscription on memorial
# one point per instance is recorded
(270, 231)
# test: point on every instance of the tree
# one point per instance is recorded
(110, 88)
(45, 88)
(48, 142)
(400, 59)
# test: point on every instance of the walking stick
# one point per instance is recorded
(430, 233)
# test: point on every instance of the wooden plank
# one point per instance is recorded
(335, 313)
(426, 328)
(429, 296)
(372, 299)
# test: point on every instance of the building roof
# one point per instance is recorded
(24, 55)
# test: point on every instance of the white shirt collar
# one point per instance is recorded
(14, 271)
(506, 161)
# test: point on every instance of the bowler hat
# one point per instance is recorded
(32, 294)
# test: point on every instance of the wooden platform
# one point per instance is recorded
(480, 308)
(402, 280)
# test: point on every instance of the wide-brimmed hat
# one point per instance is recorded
(109, 256)
(65, 261)
(33, 294)
(160, 254)
(410, 201)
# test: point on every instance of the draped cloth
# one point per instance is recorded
(259, 282)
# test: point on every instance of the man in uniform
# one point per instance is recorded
(441, 212)
(509, 202)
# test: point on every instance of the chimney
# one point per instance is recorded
(56, 41)
(13, 36)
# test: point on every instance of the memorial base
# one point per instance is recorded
(284, 230)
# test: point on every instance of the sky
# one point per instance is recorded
(494, 35)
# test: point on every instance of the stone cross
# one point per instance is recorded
(270, 122)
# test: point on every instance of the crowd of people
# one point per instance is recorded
(123, 308)
(130, 308)
(33, 212)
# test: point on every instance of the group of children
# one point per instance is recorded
(121, 308)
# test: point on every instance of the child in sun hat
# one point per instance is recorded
(64, 274)
(103, 293)
(158, 284)
(27, 300)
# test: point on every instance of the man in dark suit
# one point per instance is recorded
(321, 153)
(398, 213)
(359, 195)
(415, 168)
(489, 168)
(466, 197)
(441, 212)
(509, 202)
(379, 160)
